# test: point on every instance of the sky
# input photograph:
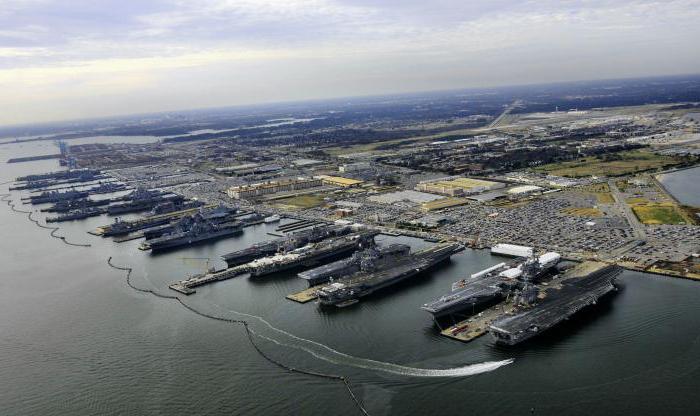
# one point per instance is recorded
(72, 59)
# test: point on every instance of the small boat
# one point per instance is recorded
(272, 218)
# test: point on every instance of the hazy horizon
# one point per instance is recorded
(61, 62)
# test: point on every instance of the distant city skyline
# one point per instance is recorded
(81, 59)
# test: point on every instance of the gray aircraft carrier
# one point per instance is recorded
(351, 289)
(555, 305)
(285, 244)
(491, 285)
(371, 257)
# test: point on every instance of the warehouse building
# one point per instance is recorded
(272, 187)
(457, 186)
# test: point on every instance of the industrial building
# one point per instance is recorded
(457, 186)
(271, 187)
(354, 167)
(524, 189)
(512, 250)
(339, 181)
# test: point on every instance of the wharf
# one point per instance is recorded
(478, 325)
(305, 296)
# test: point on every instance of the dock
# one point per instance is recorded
(478, 325)
(305, 296)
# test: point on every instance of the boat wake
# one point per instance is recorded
(328, 354)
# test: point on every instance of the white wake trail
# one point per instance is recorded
(341, 358)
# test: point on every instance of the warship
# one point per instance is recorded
(120, 227)
(77, 215)
(216, 215)
(66, 206)
(312, 253)
(108, 188)
(362, 260)
(280, 245)
(142, 200)
(554, 305)
(56, 196)
(61, 174)
(173, 206)
(84, 176)
(491, 285)
(364, 283)
(190, 230)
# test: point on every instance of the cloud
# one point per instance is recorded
(127, 50)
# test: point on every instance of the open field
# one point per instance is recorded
(301, 201)
(624, 163)
(664, 213)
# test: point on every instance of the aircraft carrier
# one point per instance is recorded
(364, 283)
(361, 260)
(312, 253)
(554, 305)
(192, 230)
(280, 245)
(491, 285)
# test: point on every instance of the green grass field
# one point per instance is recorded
(658, 214)
(301, 201)
(628, 163)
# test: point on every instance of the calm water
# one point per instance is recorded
(684, 185)
(74, 339)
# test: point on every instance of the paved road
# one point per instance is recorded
(505, 112)
(637, 227)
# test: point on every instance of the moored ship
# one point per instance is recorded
(555, 305)
(351, 289)
(311, 254)
(196, 230)
(285, 244)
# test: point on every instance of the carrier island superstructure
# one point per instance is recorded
(375, 277)
(522, 300)
(491, 284)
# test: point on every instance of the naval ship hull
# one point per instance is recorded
(305, 261)
(400, 271)
(558, 305)
(186, 241)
